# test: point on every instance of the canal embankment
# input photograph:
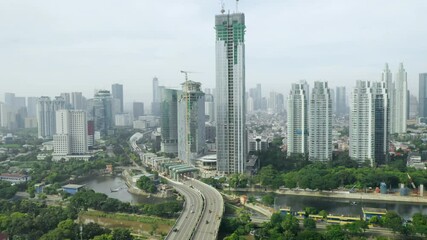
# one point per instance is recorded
(342, 195)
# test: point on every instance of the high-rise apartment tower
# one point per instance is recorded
(297, 129)
(320, 123)
(230, 93)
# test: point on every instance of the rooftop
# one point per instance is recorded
(73, 186)
(374, 210)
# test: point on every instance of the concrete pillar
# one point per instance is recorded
(421, 190)
(402, 185)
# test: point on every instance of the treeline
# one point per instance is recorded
(323, 177)
(290, 227)
(86, 199)
(29, 219)
(277, 170)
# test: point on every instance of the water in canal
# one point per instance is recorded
(347, 207)
(104, 184)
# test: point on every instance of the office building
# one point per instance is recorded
(191, 122)
(320, 123)
(369, 123)
(401, 102)
(115, 106)
(413, 107)
(276, 103)
(67, 99)
(32, 106)
(250, 105)
(169, 120)
(117, 91)
(122, 120)
(341, 101)
(77, 101)
(230, 88)
(138, 109)
(100, 111)
(422, 95)
(9, 99)
(14, 111)
(210, 108)
(297, 129)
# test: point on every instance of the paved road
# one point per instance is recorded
(188, 220)
(213, 212)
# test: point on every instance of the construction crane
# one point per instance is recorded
(186, 74)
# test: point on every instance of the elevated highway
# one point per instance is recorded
(212, 213)
(187, 222)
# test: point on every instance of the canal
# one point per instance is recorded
(347, 207)
(104, 184)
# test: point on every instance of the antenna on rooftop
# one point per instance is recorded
(237, 6)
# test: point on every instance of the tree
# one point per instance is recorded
(419, 222)
(375, 220)
(309, 224)
(91, 230)
(393, 221)
(146, 184)
(290, 224)
(238, 181)
(122, 234)
(353, 228)
(251, 199)
(66, 229)
(323, 213)
(310, 210)
(7, 190)
(336, 232)
(104, 237)
(309, 235)
(269, 177)
(268, 199)
(233, 236)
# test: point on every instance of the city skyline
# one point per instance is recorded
(66, 47)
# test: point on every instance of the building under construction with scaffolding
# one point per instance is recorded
(191, 122)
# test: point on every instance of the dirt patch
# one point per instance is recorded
(135, 226)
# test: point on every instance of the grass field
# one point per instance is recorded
(141, 225)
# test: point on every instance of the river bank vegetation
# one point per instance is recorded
(279, 170)
(286, 226)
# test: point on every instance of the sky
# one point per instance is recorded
(48, 46)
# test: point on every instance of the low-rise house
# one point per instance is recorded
(15, 178)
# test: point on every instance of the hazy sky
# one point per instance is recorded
(49, 47)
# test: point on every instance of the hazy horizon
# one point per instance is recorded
(50, 47)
